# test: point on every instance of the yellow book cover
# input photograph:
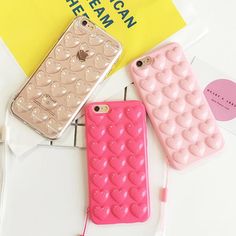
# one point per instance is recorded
(30, 28)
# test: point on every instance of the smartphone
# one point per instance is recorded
(117, 162)
(178, 110)
(69, 74)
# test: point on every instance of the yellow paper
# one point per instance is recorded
(30, 28)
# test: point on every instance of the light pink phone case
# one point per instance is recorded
(176, 106)
(117, 163)
(56, 92)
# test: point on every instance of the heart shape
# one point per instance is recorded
(187, 84)
(201, 112)
(91, 74)
(58, 90)
(159, 62)
(95, 39)
(48, 102)
(76, 64)
(84, 47)
(143, 72)
(96, 132)
(119, 195)
(174, 142)
(191, 134)
(71, 40)
(118, 179)
(22, 105)
(110, 49)
(33, 92)
(78, 29)
(38, 115)
(181, 69)
(99, 164)
(148, 84)
(208, 127)
(52, 66)
(138, 194)
(168, 127)
(117, 163)
(134, 130)
(155, 98)
(184, 120)
(72, 100)
(181, 157)
(171, 91)
(194, 98)
(97, 119)
(175, 55)
(68, 77)
(139, 210)
(98, 148)
(61, 53)
(215, 141)
(120, 211)
(116, 147)
(101, 212)
(136, 162)
(178, 105)
(161, 113)
(100, 180)
(42, 79)
(134, 113)
(116, 130)
(137, 178)
(197, 149)
(82, 87)
(135, 146)
(63, 114)
(116, 114)
(53, 126)
(164, 76)
(100, 196)
(100, 62)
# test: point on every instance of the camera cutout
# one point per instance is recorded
(84, 22)
(100, 109)
(145, 61)
(87, 24)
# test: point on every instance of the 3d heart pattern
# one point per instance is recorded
(117, 164)
(177, 107)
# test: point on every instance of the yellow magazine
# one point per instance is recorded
(30, 28)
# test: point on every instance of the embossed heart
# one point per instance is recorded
(138, 210)
(119, 211)
(133, 113)
(116, 114)
(161, 113)
(191, 134)
(63, 114)
(182, 156)
(117, 163)
(135, 146)
(53, 126)
(91, 74)
(119, 195)
(134, 130)
(101, 212)
(137, 178)
(174, 142)
(82, 87)
(155, 98)
(72, 100)
(116, 147)
(197, 149)
(116, 130)
(87, 49)
(194, 98)
(100, 62)
(52, 66)
(168, 127)
(76, 64)
(71, 40)
(171, 91)
(78, 29)
(178, 105)
(100, 196)
(164, 76)
(38, 115)
(118, 179)
(215, 141)
(109, 49)
(68, 77)
(184, 120)
(175, 54)
(159, 62)
(23, 105)
(143, 72)
(201, 112)
(138, 194)
(95, 39)
(96, 132)
(33, 92)
(100, 180)
(181, 69)
(148, 84)
(61, 53)
(207, 127)
(98, 148)
(187, 84)
(99, 164)
(42, 79)
(48, 102)
(136, 162)
(58, 90)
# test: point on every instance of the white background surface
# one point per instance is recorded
(201, 200)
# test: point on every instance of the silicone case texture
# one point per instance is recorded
(55, 93)
(117, 163)
(176, 106)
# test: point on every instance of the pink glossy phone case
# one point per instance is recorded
(117, 163)
(177, 108)
(56, 92)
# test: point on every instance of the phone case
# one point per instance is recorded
(177, 108)
(56, 92)
(117, 163)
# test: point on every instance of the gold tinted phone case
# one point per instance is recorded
(56, 92)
